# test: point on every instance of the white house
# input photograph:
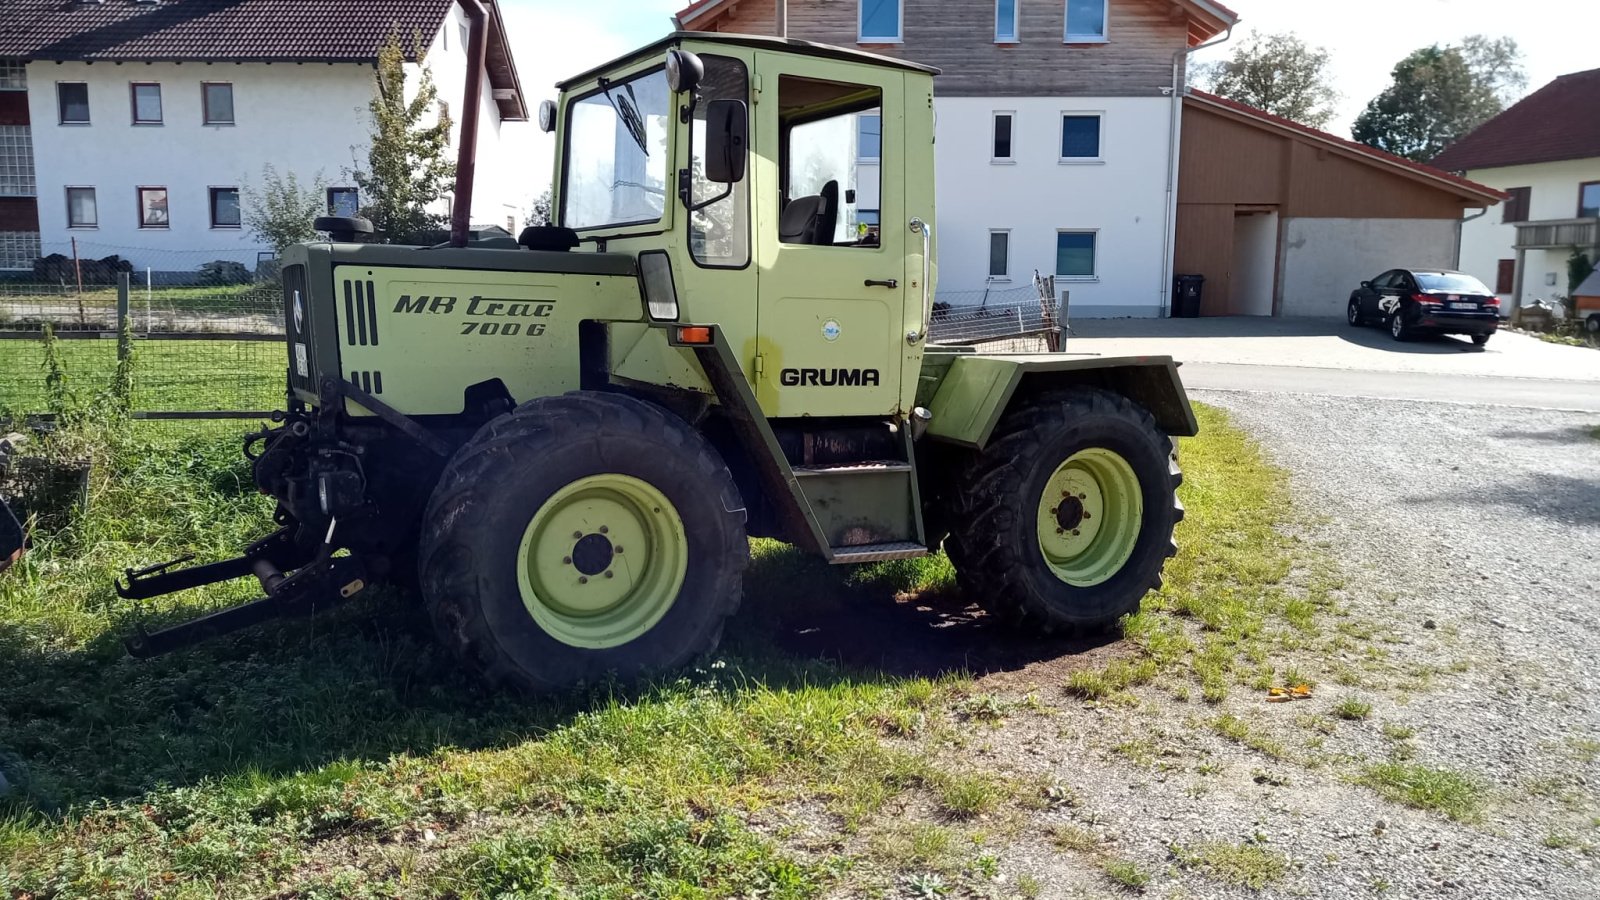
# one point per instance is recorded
(1057, 130)
(1545, 153)
(139, 127)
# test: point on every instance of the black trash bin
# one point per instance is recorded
(1186, 296)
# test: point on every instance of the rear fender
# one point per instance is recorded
(977, 390)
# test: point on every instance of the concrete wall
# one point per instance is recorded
(1122, 198)
(1325, 259)
(1487, 240)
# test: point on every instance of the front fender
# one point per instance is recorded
(976, 390)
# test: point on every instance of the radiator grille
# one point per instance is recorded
(371, 381)
(360, 313)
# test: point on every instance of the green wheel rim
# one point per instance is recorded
(602, 561)
(1089, 517)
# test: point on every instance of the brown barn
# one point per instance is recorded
(1283, 219)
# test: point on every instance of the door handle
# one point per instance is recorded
(886, 282)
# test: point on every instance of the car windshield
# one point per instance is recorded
(616, 154)
(1453, 282)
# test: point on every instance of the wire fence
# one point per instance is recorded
(197, 351)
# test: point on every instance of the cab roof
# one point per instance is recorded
(784, 45)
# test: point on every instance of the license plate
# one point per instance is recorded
(1463, 305)
(302, 364)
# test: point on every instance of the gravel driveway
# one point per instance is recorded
(1469, 542)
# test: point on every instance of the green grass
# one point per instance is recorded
(1351, 709)
(168, 375)
(1248, 865)
(1458, 796)
(346, 756)
(1125, 873)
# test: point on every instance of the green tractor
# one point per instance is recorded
(566, 441)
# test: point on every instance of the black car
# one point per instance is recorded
(1409, 302)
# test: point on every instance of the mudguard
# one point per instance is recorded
(11, 540)
(976, 390)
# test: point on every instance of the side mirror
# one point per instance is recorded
(547, 116)
(727, 140)
(1367, 285)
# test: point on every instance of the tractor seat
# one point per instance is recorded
(810, 220)
(548, 237)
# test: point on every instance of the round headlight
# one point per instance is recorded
(299, 310)
(547, 116)
(684, 71)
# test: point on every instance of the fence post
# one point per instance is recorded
(124, 330)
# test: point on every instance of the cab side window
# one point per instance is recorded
(831, 167)
(719, 234)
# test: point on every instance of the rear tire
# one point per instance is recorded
(1013, 541)
(579, 538)
(1397, 327)
(1480, 339)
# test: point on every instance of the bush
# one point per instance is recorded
(58, 268)
(224, 272)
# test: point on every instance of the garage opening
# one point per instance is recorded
(1255, 261)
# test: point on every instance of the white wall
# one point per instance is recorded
(501, 187)
(1123, 198)
(1325, 259)
(303, 119)
(1486, 240)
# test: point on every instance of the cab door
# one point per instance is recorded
(831, 290)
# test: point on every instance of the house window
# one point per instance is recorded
(1005, 21)
(216, 100)
(72, 99)
(1080, 137)
(1516, 208)
(13, 75)
(1075, 254)
(999, 254)
(1505, 276)
(869, 137)
(81, 209)
(879, 21)
(344, 201)
(153, 207)
(146, 104)
(1000, 150)
(1086, 22)
(224, 207)
(16, 162)
(1589, 199)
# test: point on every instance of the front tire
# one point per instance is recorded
(1352, 314)
(1064, 521)
(579, 538)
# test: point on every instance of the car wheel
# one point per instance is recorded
(1480, 339)
(1352, 313)
(1397, 327)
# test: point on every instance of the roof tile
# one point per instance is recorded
(1558, 121)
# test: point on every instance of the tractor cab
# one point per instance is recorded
(777, 181)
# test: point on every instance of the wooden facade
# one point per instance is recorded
(1142, 39)
(1235, 161)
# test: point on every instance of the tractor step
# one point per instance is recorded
(860, 553)
(865, 467)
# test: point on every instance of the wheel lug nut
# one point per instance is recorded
(1074, 532)
(577, 535)
(608, 574)
(1060, 530)
(1083, 496)
(1087, 516)
(617, 548)
(603, 530)
(583, 579)
(566, 560)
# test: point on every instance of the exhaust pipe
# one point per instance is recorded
(467, 152)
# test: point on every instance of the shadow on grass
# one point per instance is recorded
(366, 682)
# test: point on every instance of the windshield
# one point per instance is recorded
(1453, 282)
(616, 154)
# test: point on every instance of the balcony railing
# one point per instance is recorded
(1558, 233)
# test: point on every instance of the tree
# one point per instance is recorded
(1279, 73)
(280, 211)
(408, 167)
(540, 213)
(1440, 94)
